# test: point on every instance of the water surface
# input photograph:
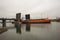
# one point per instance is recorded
(37, 32)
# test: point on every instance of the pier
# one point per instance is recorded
(5, 19)
(17, 22)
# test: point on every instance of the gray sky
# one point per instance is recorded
(37, 8)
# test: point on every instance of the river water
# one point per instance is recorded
(37, 32)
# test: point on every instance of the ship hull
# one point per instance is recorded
(37, 21)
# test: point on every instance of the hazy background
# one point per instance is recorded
(37, 8)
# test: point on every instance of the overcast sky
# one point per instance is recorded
(37, 8)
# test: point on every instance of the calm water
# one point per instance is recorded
(38, 32)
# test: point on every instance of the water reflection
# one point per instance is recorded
(37, 32)
(18, 28)
(28, 27)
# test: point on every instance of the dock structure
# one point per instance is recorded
(18, 23)
(18, 17)
(2, 30)
(4, 21)
(27, 16)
